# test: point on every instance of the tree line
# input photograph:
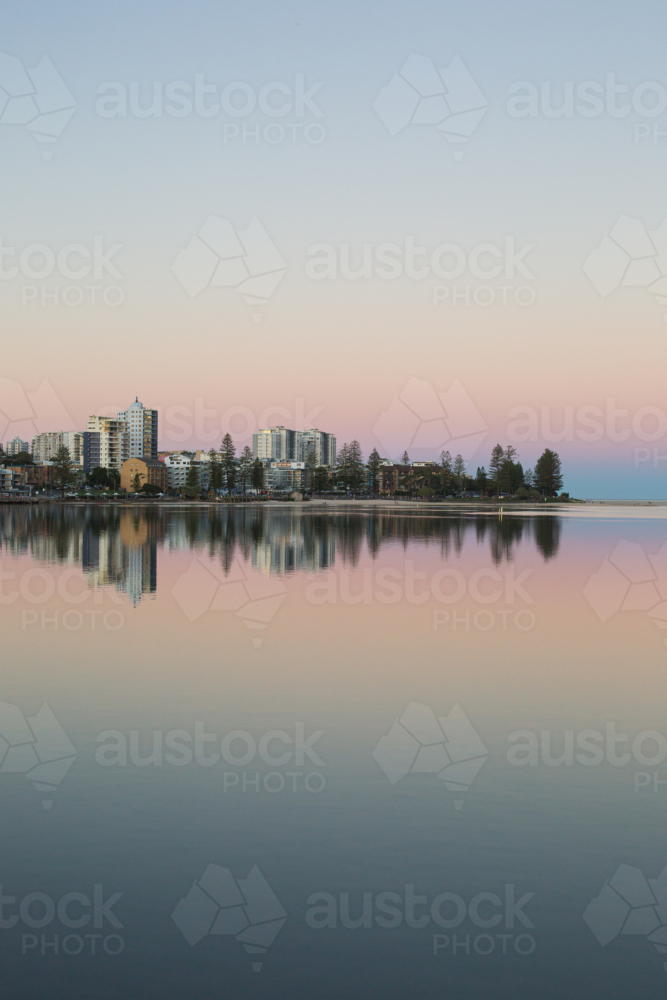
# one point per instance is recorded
(505, 474)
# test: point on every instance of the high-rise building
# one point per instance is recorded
(279, 444)
(275, 443)
(16, 446)
(114, 446)
(44, 446)
(142, 430)
(318, 444)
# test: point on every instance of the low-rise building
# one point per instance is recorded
(178, 465)
(285, 476)
(150, 470)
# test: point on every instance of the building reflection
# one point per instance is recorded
(118, 547)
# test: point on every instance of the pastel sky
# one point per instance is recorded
(533, 195)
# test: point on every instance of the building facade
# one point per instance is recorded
(285, 475)
(280, 444)
(150, 470)
(318, 445)
(142, 430)
(16, 445)
(114, 444)
(44, 446)
(178, 466)
(277, 444)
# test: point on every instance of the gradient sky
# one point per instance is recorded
(344, 348)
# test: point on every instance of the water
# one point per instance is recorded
(258, 690)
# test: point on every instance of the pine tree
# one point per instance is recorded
(63, 468)
(215, 470)
(405, 458)
(192, 478)
(245, 467)
(228, 462)
(495, 466)
(459, 471)
(356, 467)
(373, 466)
(446, 470)
(548, 476)
(257, 475)
(482, 479)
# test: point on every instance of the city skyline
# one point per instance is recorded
(581, 333)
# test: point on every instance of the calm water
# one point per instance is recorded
(333, 754)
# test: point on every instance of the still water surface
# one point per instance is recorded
(350, 753)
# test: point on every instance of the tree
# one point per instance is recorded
(215, 470)
(548, 476)
(495, 466)
(482, 479)
(20, 458)
(113, 476)
(63, 468)
(257, 475)
(373, 466)
(192, 481)
(150, 488)
(228, 461)
(356, 467)
(507, 468)
(136, 481)
(99, 476)
(321, 481)
(445, 471)
(459, 471)
(245, 467)
(528, 478)
(405, 458)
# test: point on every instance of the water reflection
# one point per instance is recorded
(118, 546)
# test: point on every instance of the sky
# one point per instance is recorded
(189, 190)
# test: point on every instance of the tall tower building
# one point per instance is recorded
(142, 430)
(276, 443)
(113, 447)
(318, 444)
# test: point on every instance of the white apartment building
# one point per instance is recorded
(44, 446)
(280, 444)
(276, 444)
(142, 430)
(114, 445)
(15, 446)
(317, 443)
(178, 466)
